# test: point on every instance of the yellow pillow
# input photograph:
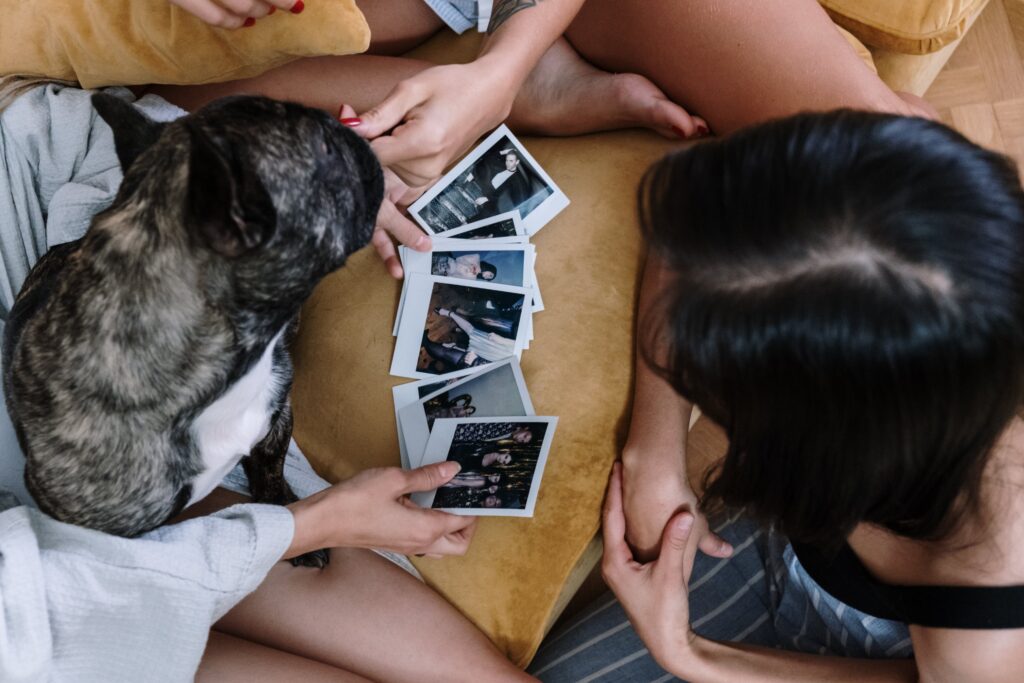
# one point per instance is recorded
(913, 27)
(132, 42)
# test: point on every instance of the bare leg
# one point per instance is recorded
(363, 614)
(232, 660)
(734, 62)
(360, 614)
(563, 96)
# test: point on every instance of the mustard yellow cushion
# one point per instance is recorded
(131, 42)
(914, 27)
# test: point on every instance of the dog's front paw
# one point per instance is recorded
(318, 559)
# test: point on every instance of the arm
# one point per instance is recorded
(655, 597)
(439, 113)
(654, 457)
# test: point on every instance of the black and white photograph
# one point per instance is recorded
(497, 177)
(449, 324)
(502, 462)
(503, 226)
(497, 390)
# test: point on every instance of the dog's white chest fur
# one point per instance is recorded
(230, 426)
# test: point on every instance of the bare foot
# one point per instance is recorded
(567, 96)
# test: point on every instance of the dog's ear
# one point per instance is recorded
(227, 202)
(134, 132)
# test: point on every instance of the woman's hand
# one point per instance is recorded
(393, 225)
(372, 510)
(654, 595)
(391, 222)
(655, 488)
(435, 116)
(236, 13)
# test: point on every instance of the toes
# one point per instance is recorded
(652, 109)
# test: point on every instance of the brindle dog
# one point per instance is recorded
(142, 361)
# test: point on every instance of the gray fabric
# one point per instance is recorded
(81, 606)
(761, 596)
(58, 163)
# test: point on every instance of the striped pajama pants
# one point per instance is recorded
(761, 595)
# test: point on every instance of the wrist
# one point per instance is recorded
(693, 659)
(504, 66)
(310, 531)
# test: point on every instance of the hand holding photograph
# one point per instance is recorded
(502, 462)
(497, 177)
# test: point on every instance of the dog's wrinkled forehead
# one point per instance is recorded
(250, 172)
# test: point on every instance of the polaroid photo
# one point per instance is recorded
(482, 261)
(502, 463)
(503, 226)
(497, 177)
(497, 390)
(448, 324)
(505, 264)
(411, 392)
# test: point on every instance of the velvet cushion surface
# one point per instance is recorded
(913, 27)
(132, 42)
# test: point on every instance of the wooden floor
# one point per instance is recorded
(980, 92)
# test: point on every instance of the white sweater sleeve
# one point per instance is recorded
(79, 605)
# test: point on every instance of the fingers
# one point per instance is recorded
(714, 545)
(456, 539)
(246, 8)
(671, 563)
(430, 477)
(211, 13)
(402, 229)
(390, 112)
(616, 552)
(386, 250)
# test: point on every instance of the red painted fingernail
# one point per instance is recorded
(272, 10)
(702, 129)
(249, 22)
(352, 123)
(298, 7)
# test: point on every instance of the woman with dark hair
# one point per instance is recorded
(844, 295)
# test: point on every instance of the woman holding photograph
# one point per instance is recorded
(864, 351)
(660, 55)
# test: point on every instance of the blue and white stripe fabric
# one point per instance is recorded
(460, 15)
(761, 596)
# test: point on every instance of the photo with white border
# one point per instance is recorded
(502, 460)
(497, 390)
(498, 176)
(448, 324)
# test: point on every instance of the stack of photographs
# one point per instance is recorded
(465, 316)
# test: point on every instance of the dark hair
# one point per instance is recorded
(486, 267)
(848, 305)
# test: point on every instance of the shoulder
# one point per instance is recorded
(956, 655)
